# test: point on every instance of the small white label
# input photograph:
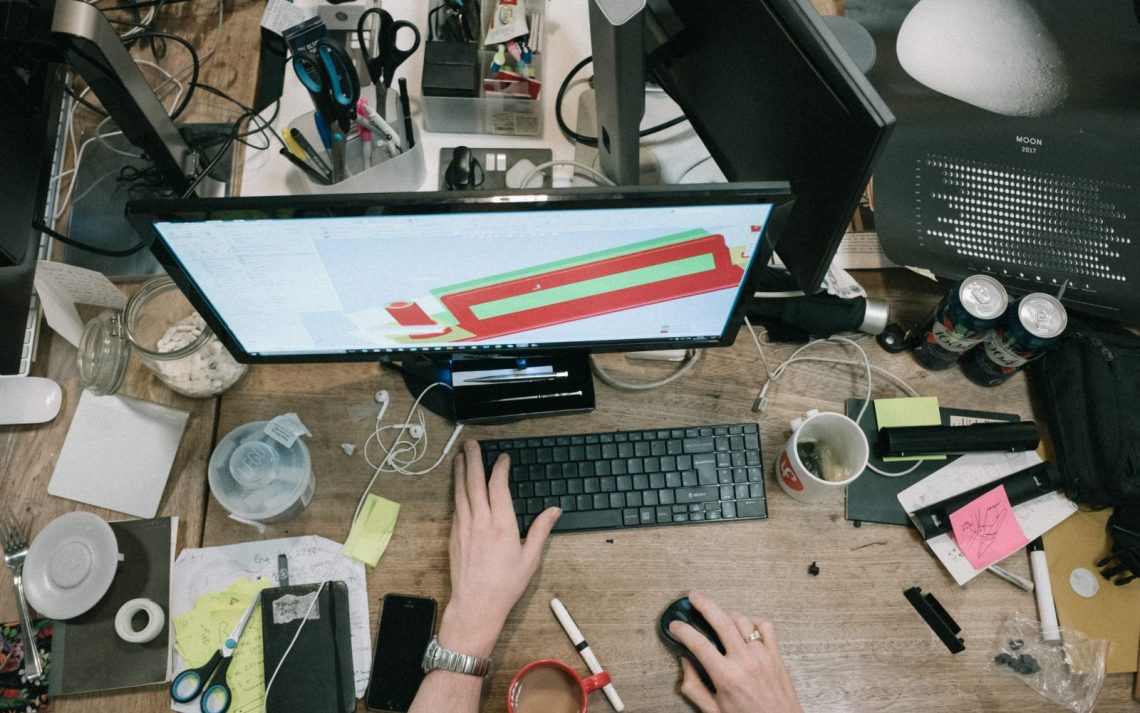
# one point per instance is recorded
(291, 607)
(286, 429)
(1084, 582)
(280, 15)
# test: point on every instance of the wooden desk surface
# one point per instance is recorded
(851, 640)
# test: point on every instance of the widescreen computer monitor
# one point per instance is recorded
(773, 95)
(431, 277)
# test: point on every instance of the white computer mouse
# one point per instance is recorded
(28, 399)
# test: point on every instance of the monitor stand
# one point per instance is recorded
(499, 388)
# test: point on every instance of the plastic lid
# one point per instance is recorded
(104, 353)
(255, 477)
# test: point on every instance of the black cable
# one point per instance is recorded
(593, 140)
(38, 224)
(194, 63)
(265, 124)
(218, 156)
(72, 93)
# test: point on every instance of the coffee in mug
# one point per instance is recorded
(550, 686)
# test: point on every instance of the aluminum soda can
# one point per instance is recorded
(1032, 325)
(960, 321)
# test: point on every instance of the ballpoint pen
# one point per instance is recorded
(406, 108)
(310, 151)
(308, 170)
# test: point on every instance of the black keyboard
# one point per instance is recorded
(636, 478)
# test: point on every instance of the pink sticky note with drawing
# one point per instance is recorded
(986, 530)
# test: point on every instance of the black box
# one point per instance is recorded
(451, 69)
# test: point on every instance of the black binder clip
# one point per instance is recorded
(936, 618)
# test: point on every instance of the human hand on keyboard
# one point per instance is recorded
(490, 566)
(750, 676)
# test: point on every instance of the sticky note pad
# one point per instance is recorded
(201, 631)
(372, 530)
(986, 530)
(916, 411)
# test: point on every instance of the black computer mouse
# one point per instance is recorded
(684, 611)
(464, 171)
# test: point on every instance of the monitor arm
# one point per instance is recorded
(94, 50)
(617, 37)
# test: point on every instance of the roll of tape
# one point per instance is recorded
(156, 619)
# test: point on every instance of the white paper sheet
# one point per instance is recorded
(312, 560)
(60, 287)
(118, 453)
(971, 471)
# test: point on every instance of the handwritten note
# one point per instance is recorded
(986, 530)
(202, 631)
(61, 287)
(312, 559)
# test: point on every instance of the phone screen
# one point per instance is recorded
(406, 625)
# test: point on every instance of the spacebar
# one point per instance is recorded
(588, 520)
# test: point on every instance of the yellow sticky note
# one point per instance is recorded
(201, 631)
(916, 411)
(372, 530)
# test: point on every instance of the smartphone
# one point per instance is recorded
(406, 626)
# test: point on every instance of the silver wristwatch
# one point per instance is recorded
(438, 658)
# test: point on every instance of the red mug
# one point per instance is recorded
(522, 700)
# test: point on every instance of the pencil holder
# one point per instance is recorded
(387, 174)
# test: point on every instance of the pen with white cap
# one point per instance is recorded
(579, 642)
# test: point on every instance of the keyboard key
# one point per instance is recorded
(696, 495)
(590, 485)
(657, 448)
(574, 487)
(649, 497)
(618, 467)
(601, 501)
(664, 514)
(624, 483)
(690, 478)
(724, 475)
(633, 499)
(697, 445)
(533, 506)
(569, 470)
(625, 450)
(593, 451)
(602, 467)
(629, 517)
(646, 516)
(542, 488)
(594, 520)
(560, 454)
(641, 449)
(741, 491)
(608, 484)
(696, 516)
(584, 502)
(609, 451)
(755, 474)
(665, 497)
(706, 478)
(617, 500)
(587, 468)
(726, 492)
(652, 465)
(549, 502)
(728, 509)
(558, 487)
(568, 503)
(755, 490)
(680, 517)
(674, 447)
(750, 508)
(656, 480)
(673, 480)
(525, 490)
(577, 453)
(634, 465)
(724, 460)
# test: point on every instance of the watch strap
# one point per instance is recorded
(438, 658)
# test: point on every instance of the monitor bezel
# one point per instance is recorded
(143, 214)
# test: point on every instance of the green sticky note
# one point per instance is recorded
(372, 530)
(917, 411)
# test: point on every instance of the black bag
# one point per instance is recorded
(1090, 383)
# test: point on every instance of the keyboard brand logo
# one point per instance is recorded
(788, 473)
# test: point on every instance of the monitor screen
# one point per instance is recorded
(355, 277)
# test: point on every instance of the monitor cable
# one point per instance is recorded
(692, 356)
(593, 140)
(774, 374)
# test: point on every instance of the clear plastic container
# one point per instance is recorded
(257, 478)
(161, 326)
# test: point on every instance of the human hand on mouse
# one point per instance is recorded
(490, 566)
(750, 676)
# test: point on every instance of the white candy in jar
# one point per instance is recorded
(205, 372)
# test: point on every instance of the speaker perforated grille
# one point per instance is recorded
(1031, 220)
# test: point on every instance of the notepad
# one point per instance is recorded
(118, 453)
(372, 530)
(915, 411)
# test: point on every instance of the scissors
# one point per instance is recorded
(389, 56)
(329, 76)
(189, 684)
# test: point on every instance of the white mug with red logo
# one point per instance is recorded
(835, 440)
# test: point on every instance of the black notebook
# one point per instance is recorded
(873, 497)
(84, 647)
(317, 675)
